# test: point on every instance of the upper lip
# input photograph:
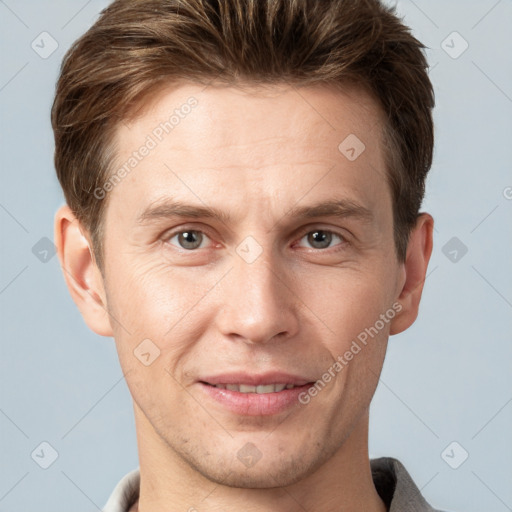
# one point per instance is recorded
(257, 379)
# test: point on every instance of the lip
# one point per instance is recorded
(257, 380)
(255, 404)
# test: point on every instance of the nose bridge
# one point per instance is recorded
(256, 304)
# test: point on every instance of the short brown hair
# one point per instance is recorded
(138, 45)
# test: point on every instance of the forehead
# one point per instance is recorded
(236, 114)
(278, 141)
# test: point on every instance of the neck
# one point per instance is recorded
(168, 483)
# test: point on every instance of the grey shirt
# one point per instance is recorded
(391, 480)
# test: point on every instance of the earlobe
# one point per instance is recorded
(83, 278)
(419, 250)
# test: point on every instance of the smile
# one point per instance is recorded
(248, 388)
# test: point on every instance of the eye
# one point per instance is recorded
(321, 238)
(188, 239)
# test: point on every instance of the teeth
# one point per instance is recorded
(247, 389)
(262, 389)
(269, 388)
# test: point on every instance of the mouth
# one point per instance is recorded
(255, 395)
(260, 390)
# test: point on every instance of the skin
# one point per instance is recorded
(254, 154)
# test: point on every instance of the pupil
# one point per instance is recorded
(190, 240)
(320, 237)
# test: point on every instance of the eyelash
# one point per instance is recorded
(169, 236)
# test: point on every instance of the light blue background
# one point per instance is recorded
(446, 379)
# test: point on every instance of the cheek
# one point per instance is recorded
(157, 303)
(152, 298)
(348, 302)
(357, 308)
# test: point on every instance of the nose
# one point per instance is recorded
(258, 304)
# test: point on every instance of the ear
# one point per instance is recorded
(82, 275)
(419, 250)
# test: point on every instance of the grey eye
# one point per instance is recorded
(321, 239)
(189, 239)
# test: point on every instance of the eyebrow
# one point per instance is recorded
(339, 208)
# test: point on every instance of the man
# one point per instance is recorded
(243, 184)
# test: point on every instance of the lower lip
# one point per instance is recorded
(255, 404)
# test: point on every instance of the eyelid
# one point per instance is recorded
(171, 233)
(341, 236)
(342, 233)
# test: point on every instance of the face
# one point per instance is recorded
(244, 248)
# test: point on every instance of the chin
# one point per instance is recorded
(253, 478)
(273, 469)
